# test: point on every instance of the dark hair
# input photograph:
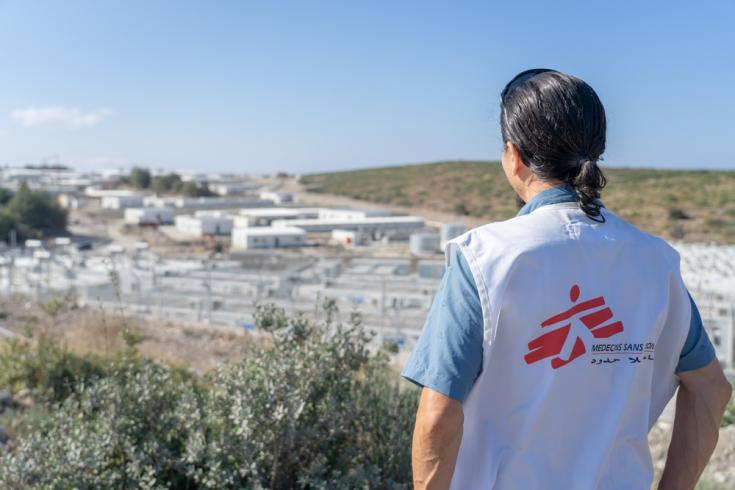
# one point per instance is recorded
(557, 123)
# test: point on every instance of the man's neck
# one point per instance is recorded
(537, 187)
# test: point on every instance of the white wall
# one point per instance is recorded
(161, 216)
(244, 238)
(350, 214)
(204, 225)
(121, 202)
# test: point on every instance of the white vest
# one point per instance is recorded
(583, 326)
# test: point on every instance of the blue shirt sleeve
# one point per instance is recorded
(698, 351)
(448, 355)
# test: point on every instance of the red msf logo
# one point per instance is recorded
(584, 320)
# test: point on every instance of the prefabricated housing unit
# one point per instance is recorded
(204, 224)
(210, 203)
(348, 238)
(383, 226)
(122, 202)
(70, 201)
(149, 216)
(341, 214)
(266, 216)
(227, 188)
(277, 197)
(450, 231)
(424, 243)
(268, 237)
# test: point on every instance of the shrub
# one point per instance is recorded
(729, 417)
(677, 214)
(677, 232)
(48, 371)
(315, 409)
(461, 210)
(127, 430)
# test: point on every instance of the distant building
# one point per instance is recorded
(211, 224)
(33, 243)
(388, 225)
(266, 216)
(51, 179)
(351, 214)
(210, 203)
(70, 201)
(268, 237)
(197, 178)
(96, 192)
(709, 274)
(449, 231)
(149, 216)
(277, 197)
(160, 202)
(122, 201)
(424, 243)
(721, 329)
(718, 318)
(227, 188)
(217, 213)
(348, 238)
(431, 270)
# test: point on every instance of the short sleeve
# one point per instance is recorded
(698, 351)
(448, 355)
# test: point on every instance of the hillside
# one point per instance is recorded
(689, 205)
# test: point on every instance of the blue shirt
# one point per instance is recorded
(448, 355)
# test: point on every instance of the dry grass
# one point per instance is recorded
(95, 330)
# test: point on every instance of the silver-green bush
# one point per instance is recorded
(316, 409)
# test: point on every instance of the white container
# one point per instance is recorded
(424, 243)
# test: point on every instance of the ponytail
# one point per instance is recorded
(587, 184)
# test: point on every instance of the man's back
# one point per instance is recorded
(583, 326)
(553, 342)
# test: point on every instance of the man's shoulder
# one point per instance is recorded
(516, 230)
(495, 228)
(539, 229)
(645, 240)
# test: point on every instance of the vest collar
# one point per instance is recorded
(554, 195)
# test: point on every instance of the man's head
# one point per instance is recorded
(553, 127)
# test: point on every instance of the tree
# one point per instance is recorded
(7, 224)
(190, 189)
(166, 183)
(140, 177)
(5, 195)
(35, 214)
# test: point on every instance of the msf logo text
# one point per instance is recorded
(568, 333)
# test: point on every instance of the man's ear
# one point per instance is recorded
(517, 165)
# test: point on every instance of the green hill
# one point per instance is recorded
(690, 205)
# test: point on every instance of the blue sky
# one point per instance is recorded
(308, 86)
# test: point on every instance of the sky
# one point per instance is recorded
(309, 86)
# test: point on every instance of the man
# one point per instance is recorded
(557, 337)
